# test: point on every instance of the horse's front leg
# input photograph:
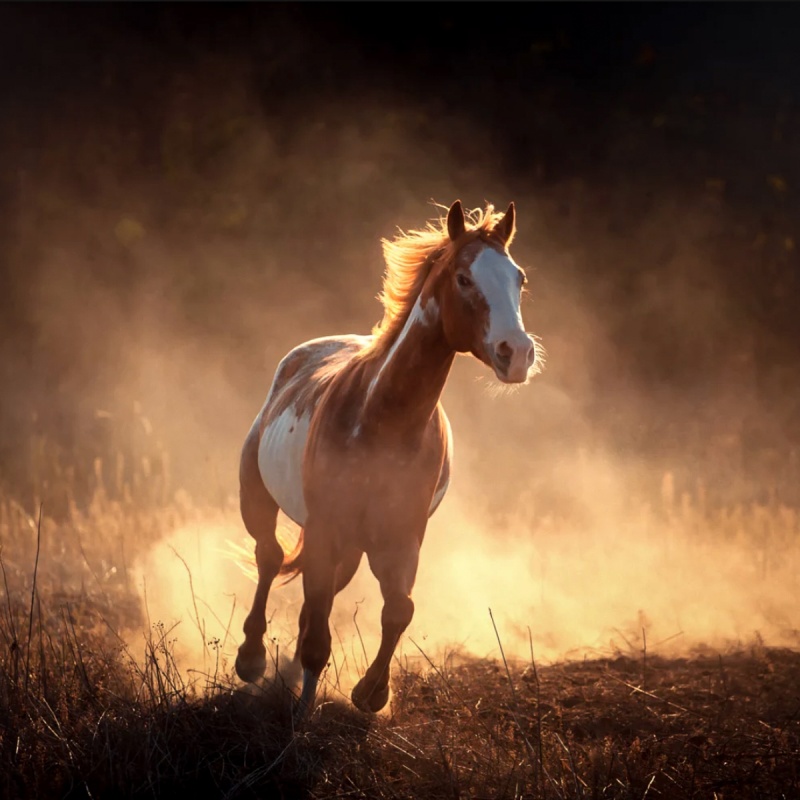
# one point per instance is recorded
(396, 571)
(314, 647)
(345, 570)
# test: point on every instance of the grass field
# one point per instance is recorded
(98, 700)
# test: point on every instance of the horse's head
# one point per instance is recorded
(479, 290)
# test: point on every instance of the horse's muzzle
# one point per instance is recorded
(513, 356)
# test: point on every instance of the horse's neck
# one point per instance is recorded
(408, 380)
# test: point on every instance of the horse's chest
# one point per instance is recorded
(384, 478)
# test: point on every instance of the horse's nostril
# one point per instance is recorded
(504, 351)
(531, 354)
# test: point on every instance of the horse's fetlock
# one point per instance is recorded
(255, 627)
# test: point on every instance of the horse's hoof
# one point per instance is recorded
(251, 666)
(370, 699)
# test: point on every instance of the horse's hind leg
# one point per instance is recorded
(396, 572)
(260, 515)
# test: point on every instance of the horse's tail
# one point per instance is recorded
(292, 562)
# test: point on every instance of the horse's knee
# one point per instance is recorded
(398, 611)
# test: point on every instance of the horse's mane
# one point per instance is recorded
(409, 258)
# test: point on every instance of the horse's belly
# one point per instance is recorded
(280, 461)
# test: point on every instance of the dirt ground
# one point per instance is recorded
(710, 725)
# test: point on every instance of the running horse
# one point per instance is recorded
(353, 443)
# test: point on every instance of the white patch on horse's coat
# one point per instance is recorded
(280, 461)
(441, 489)
(418, 316)
(497, 276)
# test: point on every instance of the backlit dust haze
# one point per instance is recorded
(168, 250)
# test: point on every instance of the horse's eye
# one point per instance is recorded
(463, 281)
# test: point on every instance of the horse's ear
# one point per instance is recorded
(506, 228)
(456, 224)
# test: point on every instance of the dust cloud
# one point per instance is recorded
(633, 580)
(576, 549)
(601, 509)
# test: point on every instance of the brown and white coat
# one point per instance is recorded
(353, 444)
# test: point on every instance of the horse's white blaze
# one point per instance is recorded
(418, 316)
(497, 277)
(280, 461)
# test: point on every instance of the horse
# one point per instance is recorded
(353, 445)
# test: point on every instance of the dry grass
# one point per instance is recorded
(80, 716)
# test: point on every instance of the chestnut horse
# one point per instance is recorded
(353, 444)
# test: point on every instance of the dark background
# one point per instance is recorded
(190, 189)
